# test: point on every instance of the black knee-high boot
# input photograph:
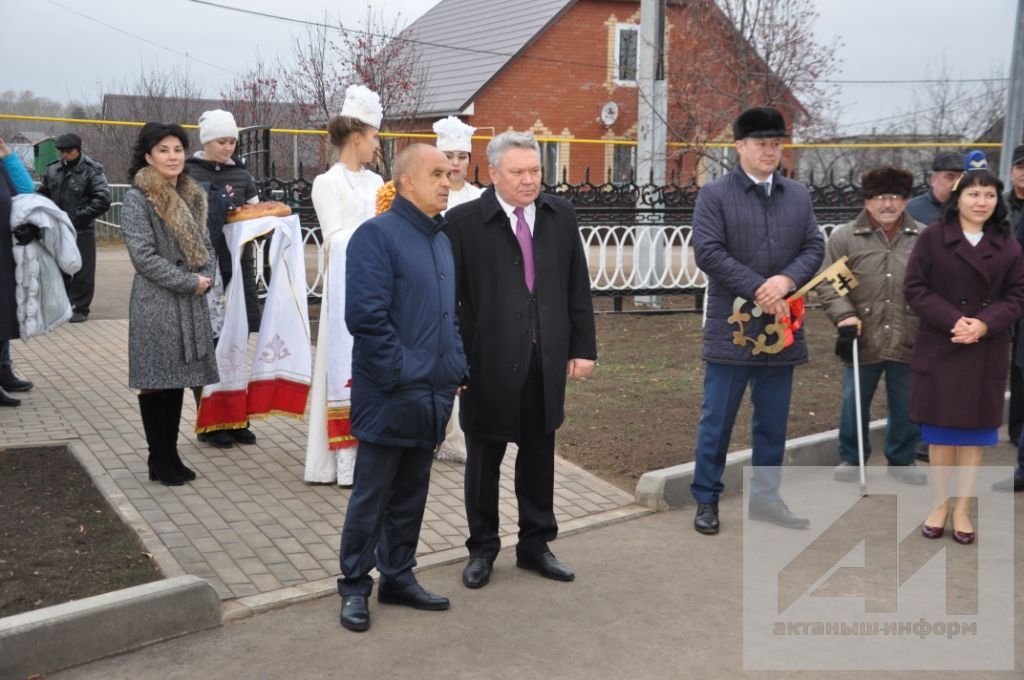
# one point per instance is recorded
(172, 421)
(152, 407)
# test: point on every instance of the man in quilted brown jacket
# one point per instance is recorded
(877, 245)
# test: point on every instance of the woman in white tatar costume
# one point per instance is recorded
(344, 197)
(455, 138)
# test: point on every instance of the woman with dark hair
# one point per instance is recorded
(344, 197)
(170, 340)
(965, 279)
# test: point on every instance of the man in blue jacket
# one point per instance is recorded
(946, 170)
(407, 365)
(756, 240)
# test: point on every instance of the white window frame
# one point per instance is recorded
(619, 28)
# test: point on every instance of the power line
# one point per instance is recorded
(921, 81)
(143, 39)
(962, 99)
(509, 55)
(409, 41)
(565, 62)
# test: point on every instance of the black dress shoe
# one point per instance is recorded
(1015, 483)
(477, 572)
(78, 317)
(8, 399)
(922, 453)
(706, 521)
(412, 596)
(219, 438)
(243, 435)
(10, 381)
(547, 565)
(776, 512)
(355, 614)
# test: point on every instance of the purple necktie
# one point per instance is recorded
(525, 239)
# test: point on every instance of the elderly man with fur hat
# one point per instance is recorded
(877, 245)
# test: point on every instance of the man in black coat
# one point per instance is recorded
(527, 325)
(77, 185)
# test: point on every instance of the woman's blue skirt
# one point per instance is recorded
(953, 436)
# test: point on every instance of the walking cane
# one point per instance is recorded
(860, 428)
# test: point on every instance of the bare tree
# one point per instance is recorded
(312, 78)
(27, 103)
(331, 56)
(750, 53)
(254, 97)
(379, 58)
(945, 110)
(947, 107)
(168, 95)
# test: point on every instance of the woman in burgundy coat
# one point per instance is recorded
(965, 279)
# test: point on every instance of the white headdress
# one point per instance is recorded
(363, 104)
(454, 135)
(216, 124)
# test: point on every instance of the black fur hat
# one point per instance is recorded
(887, 180)
(760, 121)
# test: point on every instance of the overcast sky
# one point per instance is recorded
(61, 54)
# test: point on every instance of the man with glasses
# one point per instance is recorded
(877, 245)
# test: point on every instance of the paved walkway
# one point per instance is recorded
(652, 599)
(249, 524)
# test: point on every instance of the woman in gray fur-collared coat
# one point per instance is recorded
(170, 340)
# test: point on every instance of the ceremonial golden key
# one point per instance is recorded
(838, 274)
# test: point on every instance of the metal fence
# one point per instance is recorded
(630, 251)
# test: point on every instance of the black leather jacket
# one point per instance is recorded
(79, 188)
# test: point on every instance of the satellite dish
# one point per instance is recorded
(609, 114)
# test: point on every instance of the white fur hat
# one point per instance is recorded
(216, 124)
(454, 135)
(363, 104)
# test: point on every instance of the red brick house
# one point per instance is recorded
(554, 66)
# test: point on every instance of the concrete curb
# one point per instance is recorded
(65, 635)
(669, 488)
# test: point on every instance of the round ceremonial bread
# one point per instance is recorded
(252, 211)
